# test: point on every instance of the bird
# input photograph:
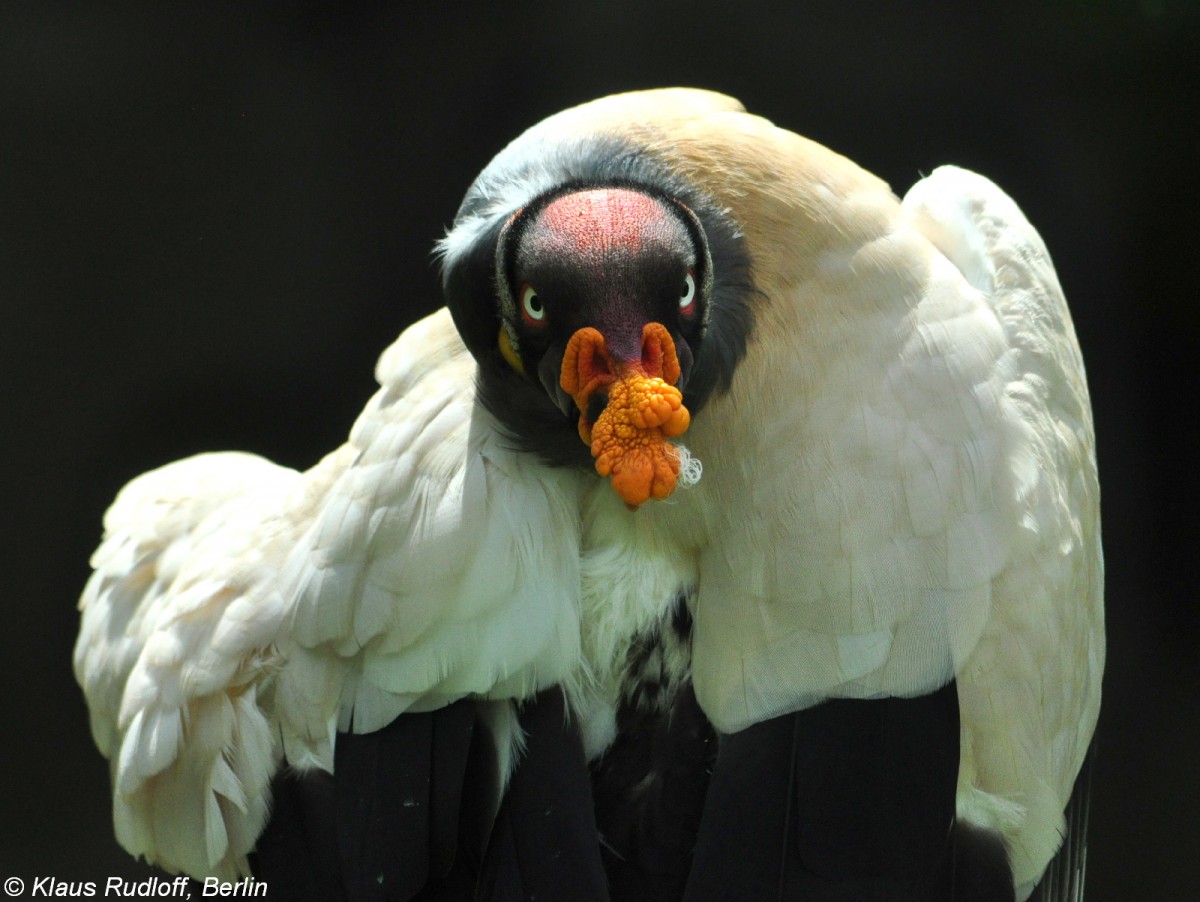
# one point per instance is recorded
(731, 532)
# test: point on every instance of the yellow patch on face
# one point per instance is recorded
(509, 353)
(628, 439)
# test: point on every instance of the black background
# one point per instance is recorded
(213, 217)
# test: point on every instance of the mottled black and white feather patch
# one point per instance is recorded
(649, 787)
(657, 662)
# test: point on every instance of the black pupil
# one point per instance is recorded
(534, 303)
(686, 288)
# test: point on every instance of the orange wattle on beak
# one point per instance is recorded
(644, 408)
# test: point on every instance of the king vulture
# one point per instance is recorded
(768, 493)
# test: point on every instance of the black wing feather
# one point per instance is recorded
(848, 800)
(544, 844)
(385, 826)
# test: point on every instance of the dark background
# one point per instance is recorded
(213, 219)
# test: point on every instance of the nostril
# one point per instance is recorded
(658, 353)
(594, 361)
(652, 356)
(596, 370)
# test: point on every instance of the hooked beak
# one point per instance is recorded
(644, 408)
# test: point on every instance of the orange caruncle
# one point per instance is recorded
(628, 439)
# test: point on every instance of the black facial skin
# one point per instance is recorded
(616, 297)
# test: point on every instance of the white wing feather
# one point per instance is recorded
(440, 564)
(178, 626)
(239, 611)
(1030, 688)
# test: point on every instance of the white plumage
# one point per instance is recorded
(899, 488)
(179, 630)
(240, 612)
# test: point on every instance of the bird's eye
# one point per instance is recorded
(532, 309)
(687, 293)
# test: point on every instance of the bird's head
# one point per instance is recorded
(603, 293)
(593, 335)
